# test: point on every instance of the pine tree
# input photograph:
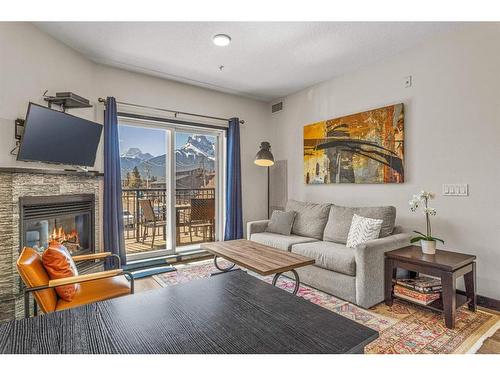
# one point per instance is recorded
(136, 179)
(127, 180)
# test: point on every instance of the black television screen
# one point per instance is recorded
(57, 137)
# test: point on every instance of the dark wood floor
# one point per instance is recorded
(490, 345)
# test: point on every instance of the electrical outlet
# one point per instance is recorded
(408, 81)
(459, 190)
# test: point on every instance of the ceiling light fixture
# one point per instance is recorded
(221, 40)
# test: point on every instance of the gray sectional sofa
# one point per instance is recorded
(320, 231)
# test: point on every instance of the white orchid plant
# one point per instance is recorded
(422, 200)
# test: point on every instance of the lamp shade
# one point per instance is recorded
(264, 157)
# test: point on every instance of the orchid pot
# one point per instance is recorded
(428, 247)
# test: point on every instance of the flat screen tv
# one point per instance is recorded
(56, 137)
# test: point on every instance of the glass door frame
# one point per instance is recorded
(219, 179)
(171, 128)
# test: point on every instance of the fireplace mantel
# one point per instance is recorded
(50, 171)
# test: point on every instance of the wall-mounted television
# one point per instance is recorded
(56, 137)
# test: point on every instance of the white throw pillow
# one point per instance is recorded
(363, 229)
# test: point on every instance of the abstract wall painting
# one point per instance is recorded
(363, 148)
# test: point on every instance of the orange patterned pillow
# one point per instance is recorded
(59, 264)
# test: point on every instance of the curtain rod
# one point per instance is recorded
(102, 100)
(169, 120)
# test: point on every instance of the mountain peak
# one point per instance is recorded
(201, 144)
(136, 153)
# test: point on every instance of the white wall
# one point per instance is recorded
(452, 135)
(32, 62)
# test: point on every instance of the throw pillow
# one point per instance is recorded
(340, 219)
(363, 229)
(310, 219)
(281, 222)
(58, 263)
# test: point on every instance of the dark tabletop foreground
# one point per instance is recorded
(228, 313)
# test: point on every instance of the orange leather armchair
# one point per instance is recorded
(94, 287)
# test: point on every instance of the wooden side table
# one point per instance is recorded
(446, 265)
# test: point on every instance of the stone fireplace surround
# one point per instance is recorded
(20, 182)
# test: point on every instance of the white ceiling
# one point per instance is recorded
(266, 60)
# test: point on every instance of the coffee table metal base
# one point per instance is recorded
(220, 268)
(297, 280)
(275, 278)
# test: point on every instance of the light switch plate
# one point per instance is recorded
(458, 190)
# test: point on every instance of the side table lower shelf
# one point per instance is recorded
(437, 305)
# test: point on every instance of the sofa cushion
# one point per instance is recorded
(281, 222)
(329, 255)
(310, 218)
(279, 241)
(340, 219)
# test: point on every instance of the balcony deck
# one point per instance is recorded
(195, 216)
(134, 247)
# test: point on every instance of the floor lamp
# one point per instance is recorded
(265, 158)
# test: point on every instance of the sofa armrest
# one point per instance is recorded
(256, 227)
(370, 267)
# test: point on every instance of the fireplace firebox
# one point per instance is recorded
(67, 219)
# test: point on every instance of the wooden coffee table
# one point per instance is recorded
(446, 265)
(262, 259)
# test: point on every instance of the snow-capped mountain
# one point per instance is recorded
(136, 153)
(197, 152)
(198, 145)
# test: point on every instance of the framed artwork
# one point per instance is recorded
(363, 148)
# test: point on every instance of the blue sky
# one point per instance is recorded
(147, 139)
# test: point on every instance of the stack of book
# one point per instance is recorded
(421, 290)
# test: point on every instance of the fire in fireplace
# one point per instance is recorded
(69, 240)
(68, 220)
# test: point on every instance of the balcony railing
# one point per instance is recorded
(194, 223)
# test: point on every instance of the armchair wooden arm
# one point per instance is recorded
(82, 278)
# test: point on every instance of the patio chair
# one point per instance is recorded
(202, 217)
(150, 220)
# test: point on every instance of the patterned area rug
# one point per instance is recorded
(404, 328)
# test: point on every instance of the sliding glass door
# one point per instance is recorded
(195, 188)
(170, 184)
(145, 159)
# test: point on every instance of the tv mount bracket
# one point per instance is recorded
(19, 128)
(18, 134)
